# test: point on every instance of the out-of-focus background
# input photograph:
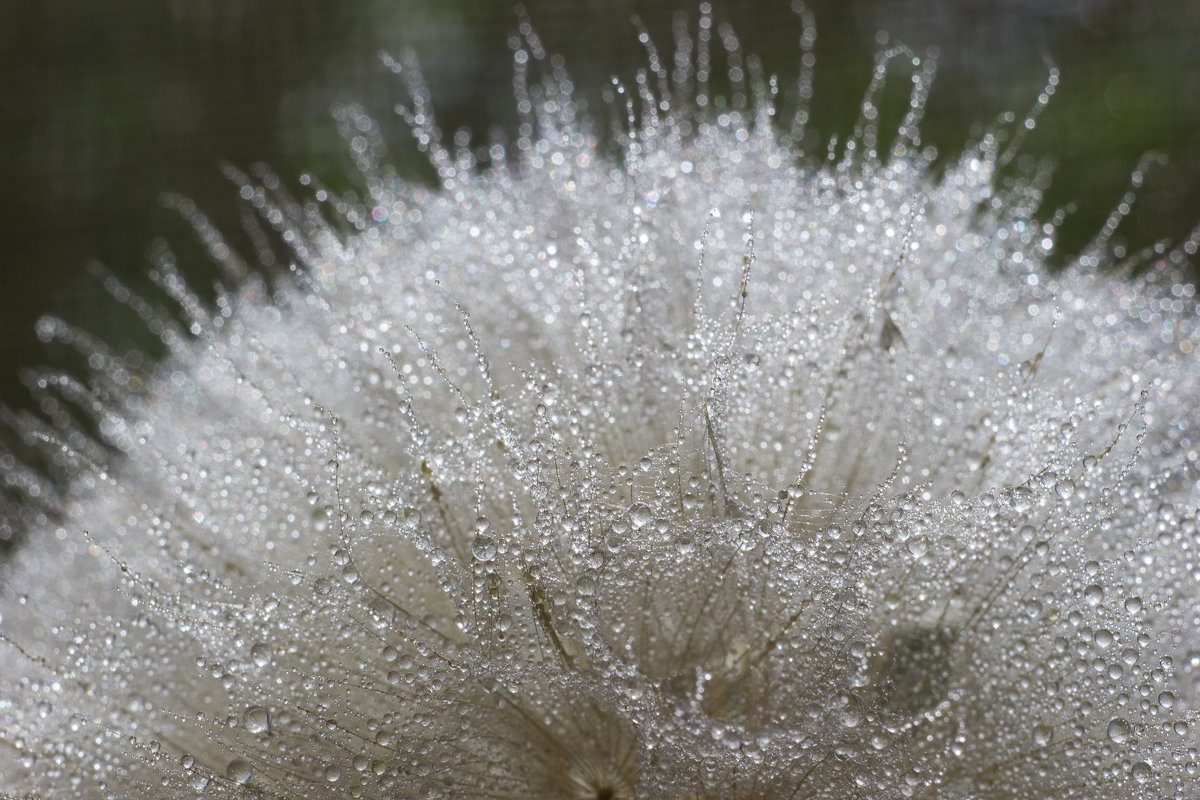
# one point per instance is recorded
(108, 105)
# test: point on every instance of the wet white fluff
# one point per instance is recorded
(689, 466)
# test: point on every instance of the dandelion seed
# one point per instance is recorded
(539, 484)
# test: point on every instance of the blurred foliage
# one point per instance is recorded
(108, 105)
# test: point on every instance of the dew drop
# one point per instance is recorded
(483, 546)
(1042, 734)
(260, 654)
(684, 544)
(238, 771)
(1093, 594)
(850, 713)
(257, 719)
(1119, 730)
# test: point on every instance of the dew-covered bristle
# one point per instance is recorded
(665, 463)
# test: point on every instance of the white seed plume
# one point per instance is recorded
(687, 466)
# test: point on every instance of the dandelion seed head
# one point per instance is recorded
(685, 466)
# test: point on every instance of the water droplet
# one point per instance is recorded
(851, 711)
(1065, 488)
(1141, 772)
(260, 654)
(1093, 594)
(238, 771)
(1119, 730)
(410, 518)
(483, 546)
(1042, 734)
(639, 515)
(257, 719)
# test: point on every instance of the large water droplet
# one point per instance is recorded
(238, 771)
(1119, 730)
(260, 654)
(410, 518)
(483, 546)
(639, 515)
(257, 719)
(850, 713)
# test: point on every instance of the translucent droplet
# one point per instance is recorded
(851, 712)
(1042, 734)
(483, 547)
(238, 771)
(1119, 730)
(1093, 594)
(257, 719)
(684, 544)
(639, 515)
(1065, 488)
(260, 654)
(1141, 772)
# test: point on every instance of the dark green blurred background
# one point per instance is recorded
(108, 104)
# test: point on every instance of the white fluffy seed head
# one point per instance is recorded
(688, 467)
